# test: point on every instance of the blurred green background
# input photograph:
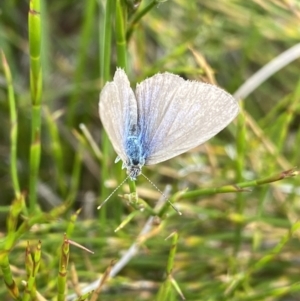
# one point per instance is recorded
(241, 245)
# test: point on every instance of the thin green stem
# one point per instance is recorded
(32, 266)
(106, 41)
(34, 25)
(120, 35)
(14, 127)
(7, 277)
(105, 76)
(138, 16)
(165, 292)
(71, 223)
(63, 266)
(240, 187)
(76, 172)
(132, 186)
(35, 155)
(57, 151)
(172, 254)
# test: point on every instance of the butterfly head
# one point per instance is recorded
(133, 171)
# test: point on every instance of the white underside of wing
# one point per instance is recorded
(177, 115)
(118, 109)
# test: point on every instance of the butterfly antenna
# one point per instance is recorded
(100, 206)
(171, 204)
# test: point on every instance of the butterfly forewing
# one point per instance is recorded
(118, 111)
(154, 96)
(175, 115)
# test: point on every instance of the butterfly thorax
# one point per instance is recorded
(135, 159)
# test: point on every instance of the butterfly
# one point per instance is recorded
(164, 117)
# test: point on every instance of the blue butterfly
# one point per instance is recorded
(165, 117)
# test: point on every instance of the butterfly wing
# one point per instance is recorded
(177, 115)
(118, 111)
